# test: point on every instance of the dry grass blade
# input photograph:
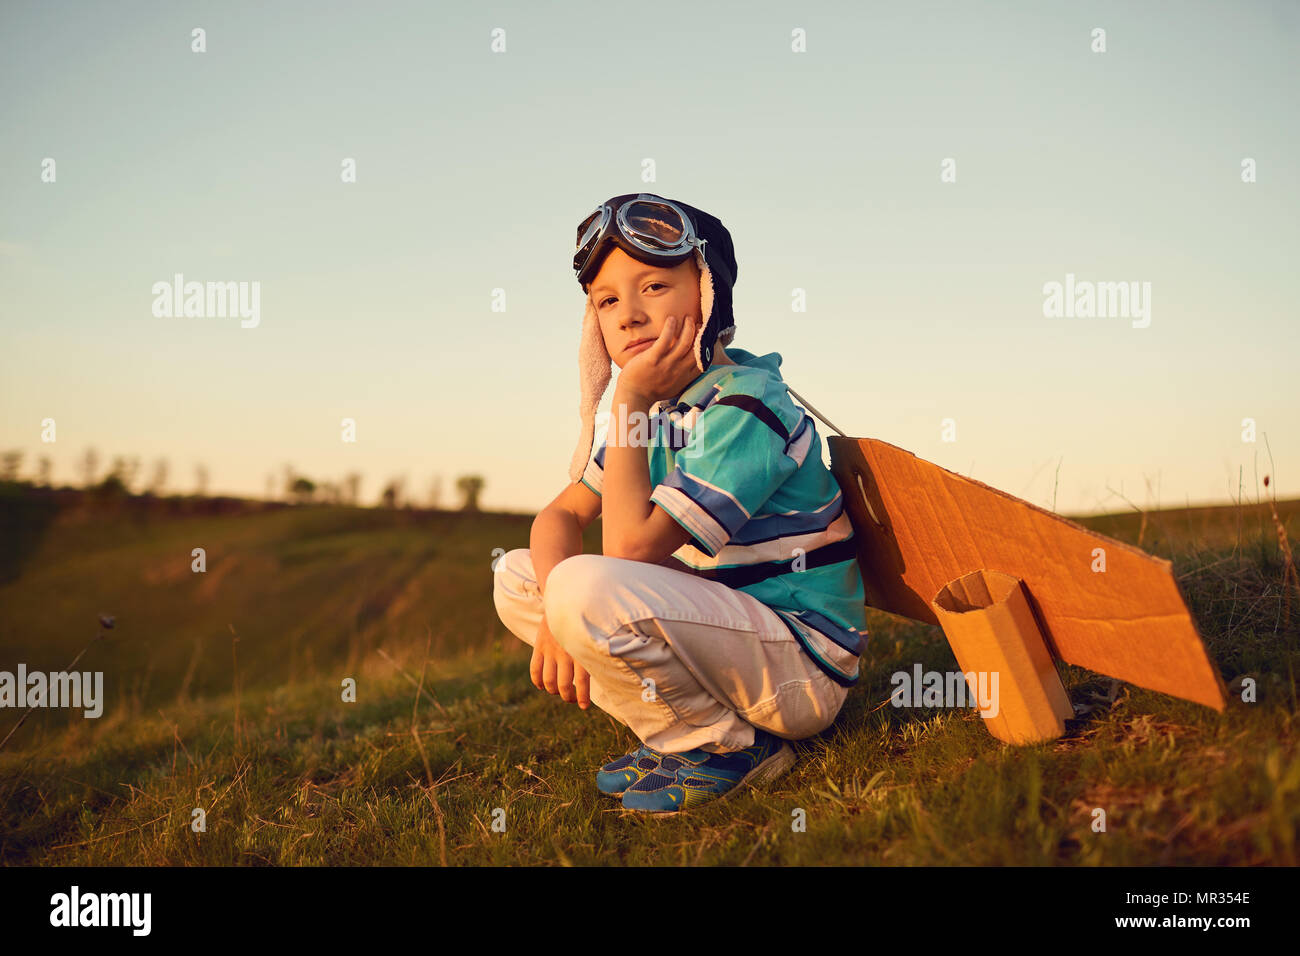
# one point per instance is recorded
(757, 843)
(64, 846)
(418, 684)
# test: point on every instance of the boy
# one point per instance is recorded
(749, 634)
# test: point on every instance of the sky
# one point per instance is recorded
(432, 300)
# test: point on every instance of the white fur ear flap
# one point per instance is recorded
(706, 303)
(699, 337)
(593, 379)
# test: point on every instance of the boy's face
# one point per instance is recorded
(634, 299)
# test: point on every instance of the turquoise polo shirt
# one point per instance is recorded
(739, 465)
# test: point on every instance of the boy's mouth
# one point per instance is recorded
(638, 343)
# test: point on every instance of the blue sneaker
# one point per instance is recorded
(697, 776)
(618, 775)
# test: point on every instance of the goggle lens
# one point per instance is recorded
(587, 229)
(654, 223)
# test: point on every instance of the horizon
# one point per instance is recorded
(415, 504)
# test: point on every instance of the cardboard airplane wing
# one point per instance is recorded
(1098, 603)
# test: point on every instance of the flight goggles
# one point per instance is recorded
(641, 225)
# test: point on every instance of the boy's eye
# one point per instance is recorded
(601, 303)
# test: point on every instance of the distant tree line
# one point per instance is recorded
(124, 475)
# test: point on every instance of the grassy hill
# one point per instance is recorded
(223, 692)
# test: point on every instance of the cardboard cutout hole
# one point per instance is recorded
(866, 500)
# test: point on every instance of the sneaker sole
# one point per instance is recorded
(771, 768)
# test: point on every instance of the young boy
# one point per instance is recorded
(749, 634)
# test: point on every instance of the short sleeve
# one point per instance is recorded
(594, 474)
(739, 453)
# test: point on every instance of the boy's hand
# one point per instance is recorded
(667, 366)
(554, 671)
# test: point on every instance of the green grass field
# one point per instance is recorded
(223, 693)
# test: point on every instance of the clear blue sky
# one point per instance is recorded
(925, 299)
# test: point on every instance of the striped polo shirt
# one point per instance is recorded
(739, 465)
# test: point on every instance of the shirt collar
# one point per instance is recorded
(771, 362)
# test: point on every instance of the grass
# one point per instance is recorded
(450, 756)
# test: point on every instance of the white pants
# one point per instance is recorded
(684, 662)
